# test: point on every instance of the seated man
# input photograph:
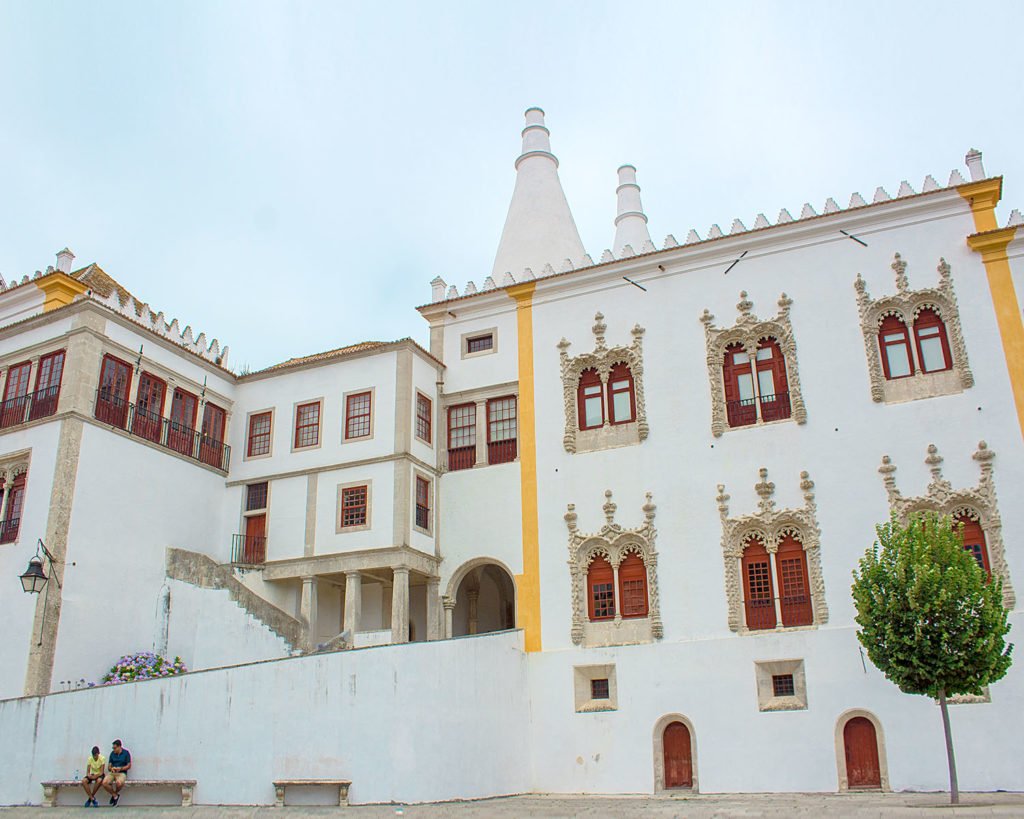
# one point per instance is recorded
(118, 765)
(94, 766)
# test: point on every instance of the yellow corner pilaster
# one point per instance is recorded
(59, 289)
(527, 583)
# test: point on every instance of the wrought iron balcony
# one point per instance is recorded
(137, 421)
(248, 550)
(9, 530)
(29, 407)
(775, 407)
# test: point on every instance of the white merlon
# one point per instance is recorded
(648, 247)
(548, 270)
(905, 189)
(607, 256)
(507, 279)
(626, 251)
(1015, 218)
(737, 227)
(528, 275)
(880, 196)
(539, 225)
(437, 288)
(973, 160)
(586, 261)
(692, 237)
(784, 216)
(470, 288)
(489, 283)
(670, 241)
(761, 221)
(831, 206)
(929, 184)
(715, 232)
(807, 211)
(956, 179)
(630, 220)
(64, 260)
(453, 292)
(567, 265)
(856, 200)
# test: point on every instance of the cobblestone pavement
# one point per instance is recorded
(689, 806)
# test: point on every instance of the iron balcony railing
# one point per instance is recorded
(796, 610)
(775, 407)
(29, 407)
(137, 421)
(9, 530)
(249, 550)
(422, 516)
(744, 412)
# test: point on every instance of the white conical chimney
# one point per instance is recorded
(539, 228)
(630, 221)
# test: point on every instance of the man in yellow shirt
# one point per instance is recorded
(94, 766)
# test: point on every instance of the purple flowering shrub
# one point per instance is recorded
(145, 665)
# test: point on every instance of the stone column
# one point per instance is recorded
(400, 606)
(473, 599)
(307, 609)
(433, 608)
(773, 568)
(449, 611)
(353, 604)
(481, 432)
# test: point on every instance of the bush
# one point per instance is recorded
(142, 666)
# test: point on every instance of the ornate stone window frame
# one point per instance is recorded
(602, 359)
(906, 304)
(10, 468)
(771, 526)
(614, 543)
(749, 330)
(979, 503)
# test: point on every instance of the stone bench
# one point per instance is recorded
(187, 787)
(281, 784)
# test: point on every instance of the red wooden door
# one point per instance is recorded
(794, 590)
(861, 746)
(757, 586)
(740, 408)
(149, 406)
(181, 434)
(255, 549)
(211, 448)
(51, 368)
(15, 395)
(678, 763)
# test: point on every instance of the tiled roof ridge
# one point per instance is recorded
(443, 293)
(340, 352)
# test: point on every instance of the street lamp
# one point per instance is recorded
(34, 578)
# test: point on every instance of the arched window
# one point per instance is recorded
(894, 342)
(621, 395)
(772, 384)
(740, 406)
(974, 541)
(590, 400)
(794, 590)
(757, 586)
(600, 589)
(633, 586)
(932, 344)
(12, 517)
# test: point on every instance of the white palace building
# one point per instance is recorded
(597, 537)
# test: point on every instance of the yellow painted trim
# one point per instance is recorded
(527, 583)
(991, 243)
(59, 290)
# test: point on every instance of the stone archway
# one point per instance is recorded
(481, 598)
(858, 718)
(669, 723)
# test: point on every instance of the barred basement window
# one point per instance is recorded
(782, 685)
(480, 344)
(353, 506)
(599, 689)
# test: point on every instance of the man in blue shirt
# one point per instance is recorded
(118, 764)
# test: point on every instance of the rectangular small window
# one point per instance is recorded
(423, 503)
(307, 425)
(256, 497)
(766, 384)
(423, 418)
(461, 436)
(353, 506)
(479, 344)
(604, 600)
(782, 685)
(259, 434)
(501, 430)
(357, 415)
(599, 689)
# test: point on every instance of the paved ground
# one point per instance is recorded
(690, 806)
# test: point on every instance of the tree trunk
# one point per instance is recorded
(954, 790)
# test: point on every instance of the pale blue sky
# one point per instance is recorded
(288, 177)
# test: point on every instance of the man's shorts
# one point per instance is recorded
(115, 779)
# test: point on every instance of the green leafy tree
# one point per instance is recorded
(929, 617)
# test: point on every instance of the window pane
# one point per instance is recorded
(623, 407)
(932, 355)
(764, 354)
(746, 385)
(782, 685)
(766, 384)
(593, 411)
(899, 362)
(740, 358)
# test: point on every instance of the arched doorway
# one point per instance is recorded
(485, 599)
(860, 752)
(675, 754)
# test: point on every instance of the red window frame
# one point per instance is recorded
(16, 398)
(181, 429)
(894, 325)
(589, 388)
(307, 425)
(258, 439)
(926, 321)
(423, 503)
(480, 343)
(502, 429)
(793, 585)
(358, 415)
(461, 436)
(633, 586)
(211, 440)
(48, 379)
(600, 590)
(973, 537)
(778, 408)
(112, 396)
(621, 373)
(424, 418)
(739, 412)
(758, 590)
(354, 506)
(149, 406)
(15, 503)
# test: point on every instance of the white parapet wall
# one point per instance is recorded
(410, 723)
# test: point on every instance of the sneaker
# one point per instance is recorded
(95, 804)
(88, 802)
(113, 802)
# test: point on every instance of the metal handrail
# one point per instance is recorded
(29, 407)
(249, 550)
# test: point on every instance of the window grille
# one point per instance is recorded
(782, 685)
(357, 415)
(353, 506)
(599, 689)
(479, 344)
(259, 434)
(307, 425)
(423, 418)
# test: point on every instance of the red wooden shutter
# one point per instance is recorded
(600, 590)
(633, 586)
(775, 404)
(149, 407)
(739, 411)
(112, 397)
(621, 395)
(48, 378)
(894, 345)
(181, 431)
(932, 343)
(794, 590)
(757, 586)
(974, 541)
(15, 395)
(211, 446)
